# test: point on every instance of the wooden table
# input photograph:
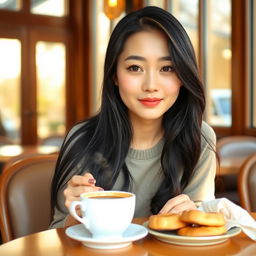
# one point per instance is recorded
(55, 242)
(9, 151)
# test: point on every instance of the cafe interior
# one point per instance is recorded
(51, 70)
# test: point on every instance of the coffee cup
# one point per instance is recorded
(106, 214)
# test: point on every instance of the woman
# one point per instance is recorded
(148, 137)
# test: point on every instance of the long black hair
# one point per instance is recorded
(100, 144)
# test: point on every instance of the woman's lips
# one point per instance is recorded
(150, 102)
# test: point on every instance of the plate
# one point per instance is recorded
(80, 233)
(172, 238)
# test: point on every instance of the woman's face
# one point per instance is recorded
(148, 84)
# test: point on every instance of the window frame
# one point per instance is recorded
(73, 31)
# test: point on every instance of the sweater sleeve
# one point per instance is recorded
(59, 219)
(202, 185)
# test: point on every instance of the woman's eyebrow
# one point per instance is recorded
(166, 58)
(136, 57)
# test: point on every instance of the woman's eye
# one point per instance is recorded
(134, 68)
(167, 69)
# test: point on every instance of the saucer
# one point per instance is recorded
(80, 233)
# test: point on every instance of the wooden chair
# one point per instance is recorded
(247, 183)
(25, 196)
(236, 146)
(21, 157)
(53, 140)
(232, 146)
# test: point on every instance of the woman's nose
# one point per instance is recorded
(150, 82)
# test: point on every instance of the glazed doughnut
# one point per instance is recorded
(202, 231)
(166, 222)
(203, 218)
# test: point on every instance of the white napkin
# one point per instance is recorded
(235, 215)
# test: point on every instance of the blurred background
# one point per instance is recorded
(52, 54)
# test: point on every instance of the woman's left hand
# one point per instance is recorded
(178, 204)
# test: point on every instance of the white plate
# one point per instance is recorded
(172, 238)
(79, 232)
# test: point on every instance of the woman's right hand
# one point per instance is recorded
(77, 185)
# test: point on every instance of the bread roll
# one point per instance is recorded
(214, 219)
(202, 231)
(166, 222)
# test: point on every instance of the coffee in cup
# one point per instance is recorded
(106, 214)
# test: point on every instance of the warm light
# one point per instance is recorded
(112, 3)
(226, 54)
(50, 7)
(114, 8)
(47, 149)
(10, 50)
(10, 150)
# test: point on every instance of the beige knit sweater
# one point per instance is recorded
(145, 168)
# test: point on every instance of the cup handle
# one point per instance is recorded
(72, 210)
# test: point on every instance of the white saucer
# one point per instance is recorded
(80, 233)
(172, 238)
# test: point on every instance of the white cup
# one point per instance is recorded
(106, 214)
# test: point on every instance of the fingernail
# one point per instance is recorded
(101, 189)
(91, 181)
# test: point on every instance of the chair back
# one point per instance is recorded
(247, 183)
(53, 140)
(25, 188)
(232, 147)
(236, 146)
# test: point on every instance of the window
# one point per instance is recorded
(10, 105)
(217, 38)
(186, 11)
(251, 61)
(13, 5)
(33, 64)
(49, 7)
(100, 38)
(50, 69)
(159, 3)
